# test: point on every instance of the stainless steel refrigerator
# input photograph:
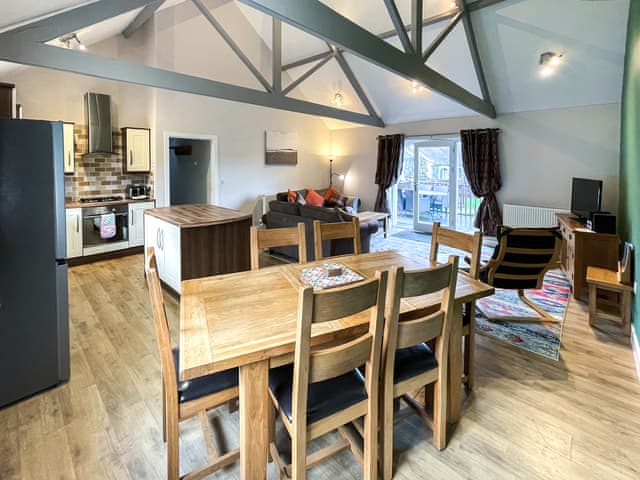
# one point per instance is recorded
(34, 309)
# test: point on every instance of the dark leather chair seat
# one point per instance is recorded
(412, 361)
(202, 386)
(325, 398)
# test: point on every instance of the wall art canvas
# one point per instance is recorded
(281, 148)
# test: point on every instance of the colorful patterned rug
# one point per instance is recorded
(540, 338)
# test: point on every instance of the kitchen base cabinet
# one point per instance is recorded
(193, 241)
(136, 222)
(74, 232)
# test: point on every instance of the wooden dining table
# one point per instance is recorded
(248, 320)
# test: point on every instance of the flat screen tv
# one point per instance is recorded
(586, 197)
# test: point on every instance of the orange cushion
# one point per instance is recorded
(292, 195)
(330, 193)
(314, 198)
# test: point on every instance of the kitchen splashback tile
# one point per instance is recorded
(99, 174)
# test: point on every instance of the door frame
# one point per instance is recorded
(453, 172)
(213, 181)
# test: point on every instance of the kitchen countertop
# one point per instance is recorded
(100, 204)
(198, 215)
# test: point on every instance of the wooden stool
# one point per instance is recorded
(607, 280)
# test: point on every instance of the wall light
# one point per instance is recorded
(68, 40)
(549, 61)
(333, 174)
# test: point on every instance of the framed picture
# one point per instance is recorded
(281, 148)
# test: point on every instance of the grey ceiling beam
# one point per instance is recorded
(305, 61)
(394, 14)
(316, 18)
(143, 16)
(473, 48)
(353, 80)
(14, 49)
(232, 44)
(416, 30)
(441, 36)
(276, 50)
(306, 74)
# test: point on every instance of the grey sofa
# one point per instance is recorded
(288, 214)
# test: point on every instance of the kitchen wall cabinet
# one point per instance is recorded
(74, 232)
(137, 149)
(69, 147)
(136, 222)
(165, 240)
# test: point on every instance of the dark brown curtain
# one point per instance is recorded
(482, 167)
(390, 148)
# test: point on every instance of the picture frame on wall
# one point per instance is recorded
(281, 148)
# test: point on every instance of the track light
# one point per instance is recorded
(417, 87)
(338, 99)
(68, 40)
(549, 61)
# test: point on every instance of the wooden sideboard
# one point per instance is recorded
(581, 248)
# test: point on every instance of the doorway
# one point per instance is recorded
(433, 187)
(192, 170)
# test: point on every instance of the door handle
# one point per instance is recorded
(130, 157)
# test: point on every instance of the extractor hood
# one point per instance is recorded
(98, 108)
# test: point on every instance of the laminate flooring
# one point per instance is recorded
(528, 417)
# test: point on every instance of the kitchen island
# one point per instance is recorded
(193, 241)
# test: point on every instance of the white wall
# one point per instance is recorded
(540, 152)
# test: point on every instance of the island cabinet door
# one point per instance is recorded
(170, 238)
(152, 234)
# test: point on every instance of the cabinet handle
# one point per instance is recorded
(77, 224)
(133, 214)
(130, 157)
(158, 238)
(162, 239)
(69, 158)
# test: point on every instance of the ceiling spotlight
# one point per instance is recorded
(418, 87)
(548, 61)
(453, 5)
(338, 99)
(68, 41)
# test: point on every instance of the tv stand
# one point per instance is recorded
(582, 247)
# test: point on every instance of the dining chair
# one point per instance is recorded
(324, 390)
(409, 363)
(182, 400)
(471, 244)
(335, 231)
(277, 237)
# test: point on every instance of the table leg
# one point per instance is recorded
(593, 294)
(455, 365)
(254, 415)
(626, 312)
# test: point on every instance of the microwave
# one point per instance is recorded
(138, 191)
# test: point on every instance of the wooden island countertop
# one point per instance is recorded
(197, 215)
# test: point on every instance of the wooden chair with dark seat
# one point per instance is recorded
(408, 362)
(323, 390)
(335, 231)
(520, 261)
(471, 244)
(182, 400)
(277, 237)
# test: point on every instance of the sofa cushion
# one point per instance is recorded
(314, 198)
(327, 215)
(292, 196)
(284, 207)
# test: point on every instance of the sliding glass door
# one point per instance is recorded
(433, 187)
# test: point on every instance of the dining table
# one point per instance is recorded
(248, 320)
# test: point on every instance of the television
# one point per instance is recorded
(586, 197)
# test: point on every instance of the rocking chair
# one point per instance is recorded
(519, 262)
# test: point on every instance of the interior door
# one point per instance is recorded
(434, 193)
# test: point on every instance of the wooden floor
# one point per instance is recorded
(528, 417)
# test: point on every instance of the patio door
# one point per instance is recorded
(435, 181)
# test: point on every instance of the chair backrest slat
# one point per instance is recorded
(416, 283)
(344, 301)
(331, 362)
(277, 237)
(423, 330)
(160, 322)
(467, 242)
(336, 231)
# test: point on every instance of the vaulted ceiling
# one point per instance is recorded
(511, 35)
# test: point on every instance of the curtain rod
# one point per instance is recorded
(448, 134)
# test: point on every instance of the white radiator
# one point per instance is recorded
(522, 216)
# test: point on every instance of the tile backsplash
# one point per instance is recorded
(99, 174)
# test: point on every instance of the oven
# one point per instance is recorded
(91, 225)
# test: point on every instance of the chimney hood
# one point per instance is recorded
(98, 108)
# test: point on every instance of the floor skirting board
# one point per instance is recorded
(635, 346)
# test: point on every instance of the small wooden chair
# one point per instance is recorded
(335, 231)
(521, 259)
(182, 400)
(277, 237)
(323, 390)
(408, 362)
(471, 244)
